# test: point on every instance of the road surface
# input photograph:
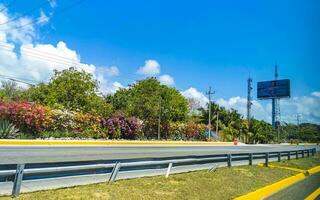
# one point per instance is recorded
(36, 154)
(300, 190)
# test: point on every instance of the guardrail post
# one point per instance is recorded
(267, 159)
(297, 155)
(250, 158)
(289, 155)
(313, 152)
(168, 170)
(114, 172)
(229, 160)
(308, 152)
(279, 156)
(302, 151)
(18, 180)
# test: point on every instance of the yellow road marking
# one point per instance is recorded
(105, 142)
(289, 168)
(314, 195)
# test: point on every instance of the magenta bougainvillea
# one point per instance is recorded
(119, 126)
(29, 117)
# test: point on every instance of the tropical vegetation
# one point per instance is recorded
(70, 105)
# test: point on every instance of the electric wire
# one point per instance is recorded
(25, 13)
(8, 5)
(45, 18)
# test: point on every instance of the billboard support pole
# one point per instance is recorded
(274, 90)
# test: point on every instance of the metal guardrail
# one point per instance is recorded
(20, 170)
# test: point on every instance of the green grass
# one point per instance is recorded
(224, 183)
(301, 163)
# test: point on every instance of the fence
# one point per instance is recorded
(37, 169)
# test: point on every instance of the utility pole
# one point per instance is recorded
(249, 103)
(298, 119)
(217, 125)
(209, 93)
(159, 119)
(298, 122)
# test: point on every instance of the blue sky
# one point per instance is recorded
(198, 43)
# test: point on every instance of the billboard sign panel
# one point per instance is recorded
(273, 89)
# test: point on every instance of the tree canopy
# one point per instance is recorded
(147, 99)
(71, 89)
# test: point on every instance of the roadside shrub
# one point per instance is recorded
(187, 131)
(73, 124)
(28, 117)
(120, 127)
(202, 132)
(60, 120)
(177, 131)
(56, 134)
(192, 130)
(87, 122)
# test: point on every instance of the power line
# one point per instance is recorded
(25, 13)
(48, 59)
(8, 5)
(40, 53)
(45, 18)
(24, 79)
(16, 80)
(59, 61)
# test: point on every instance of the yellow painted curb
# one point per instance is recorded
(271, 189)
(101, 142)
(289, 168)
(314, 195)
(282, 167)
(314, 170)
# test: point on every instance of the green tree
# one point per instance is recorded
(147, 99)
(10, 90)
(261, 132)
(71, 89)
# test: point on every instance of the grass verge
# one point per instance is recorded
(224, 183)
(301, 163)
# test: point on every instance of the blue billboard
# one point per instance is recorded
(273, 89)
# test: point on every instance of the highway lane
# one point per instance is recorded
(37, 154)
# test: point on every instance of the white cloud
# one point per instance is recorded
(12, 31)
(307, 106)
(166, 80)
(108, 71)
(240, 104)
(150, 68)
(20, 57)
(316, 93)
(193, 93)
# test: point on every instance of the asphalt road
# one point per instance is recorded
(300, 190)
(37, 154)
